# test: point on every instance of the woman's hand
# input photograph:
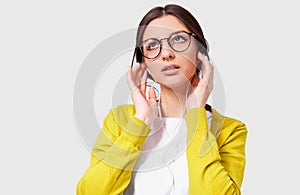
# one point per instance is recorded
(202, 87)
(145, 110)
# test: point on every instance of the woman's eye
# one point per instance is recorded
(179, 38)
(152, 45)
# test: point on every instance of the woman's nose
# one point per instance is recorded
(167, 53)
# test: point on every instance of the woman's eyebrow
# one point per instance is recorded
(155, 37)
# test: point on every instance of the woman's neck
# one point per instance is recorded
(172, 101)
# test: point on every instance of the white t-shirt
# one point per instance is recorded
(162, 166)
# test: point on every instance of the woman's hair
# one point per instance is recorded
(179, 12)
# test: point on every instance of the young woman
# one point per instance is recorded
(202, 152)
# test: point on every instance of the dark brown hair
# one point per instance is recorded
(179, 12)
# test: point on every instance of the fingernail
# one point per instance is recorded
(201, 54)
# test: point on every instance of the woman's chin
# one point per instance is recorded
(175, 84)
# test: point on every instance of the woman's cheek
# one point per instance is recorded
(153, 71)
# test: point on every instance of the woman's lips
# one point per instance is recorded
(170, 69)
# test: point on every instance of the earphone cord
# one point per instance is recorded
(159, 109)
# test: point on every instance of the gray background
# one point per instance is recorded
(43, 43)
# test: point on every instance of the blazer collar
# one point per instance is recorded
(217, 120)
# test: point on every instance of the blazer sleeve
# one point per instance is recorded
(216, 164)
(114, 155)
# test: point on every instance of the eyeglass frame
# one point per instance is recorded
(191, 34)
(168, 40)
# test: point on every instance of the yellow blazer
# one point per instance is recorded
(215, 156)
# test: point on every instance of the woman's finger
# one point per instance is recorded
(203, 59)
(129, 79)
(208, 71)
(143, 81)
(142, 70)
(135, 71)
(138, 75)
(152, 95)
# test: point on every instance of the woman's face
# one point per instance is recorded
(170, 68)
